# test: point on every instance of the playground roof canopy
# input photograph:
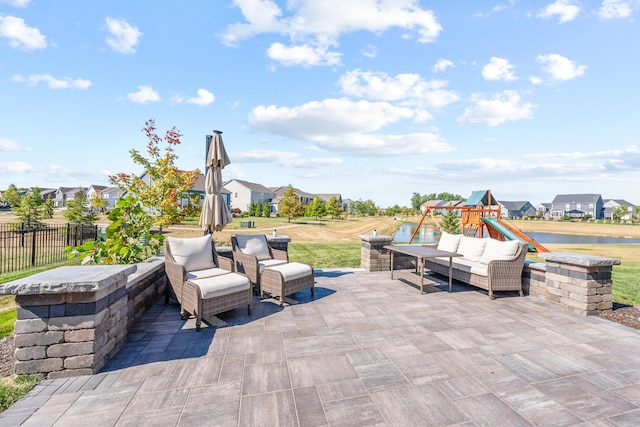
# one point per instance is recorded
(480, 197)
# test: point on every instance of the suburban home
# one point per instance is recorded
(577, 206)
(302, 196)
(199, 188)
(63, 194)
(610, 205)
(110, 194)
(48, 193)
(245, 192)
(517, 209)
(435, 204)
(327, 197)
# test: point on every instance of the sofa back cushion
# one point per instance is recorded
(471, 248)
(193, 253)
(498, 250)
(255, 245)
(449, 242)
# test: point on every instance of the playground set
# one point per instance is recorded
(479, 217)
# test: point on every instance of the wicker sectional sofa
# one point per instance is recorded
(489, 264)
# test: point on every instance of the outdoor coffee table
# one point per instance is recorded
(420, 252)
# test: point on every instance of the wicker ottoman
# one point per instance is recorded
(213, 295)
(286, 279)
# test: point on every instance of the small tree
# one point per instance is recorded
(290, 206)
(266, 209)
(619, 212)
(77, 211)
(12, 195)
(252, 209)
(30, 208)
(99, 203)
(450, 222)
(129, 238)
(258, 209)
(316, 208)
(166, 184)
(333, 207)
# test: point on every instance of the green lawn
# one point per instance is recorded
(326, 255)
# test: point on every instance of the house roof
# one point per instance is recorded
(619, 202)
(279, 192)
(576, 198)
(258, 188)
(514, 205)
(327, 197)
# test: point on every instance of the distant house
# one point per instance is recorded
(303, 197)
(64, 194)
(199, 188)
(436, 204)
(516, 209)
(327, 197)
(345, 204)
(245, 192)
(48, 193)
(610, 205)
(577, 206)
(110, 194)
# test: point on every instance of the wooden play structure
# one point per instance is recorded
(479, 217)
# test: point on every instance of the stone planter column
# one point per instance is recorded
(71, 320)
(581, 283)
(373, 256)
(279, 242)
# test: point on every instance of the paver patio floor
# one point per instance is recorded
(366, 351)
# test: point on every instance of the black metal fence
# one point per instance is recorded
(25, 246)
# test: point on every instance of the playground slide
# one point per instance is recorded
(512, 233)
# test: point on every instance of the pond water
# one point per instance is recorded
(430, 235)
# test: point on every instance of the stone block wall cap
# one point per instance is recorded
(376, 238)
(578, 259)
(278, 238)
(86, 278)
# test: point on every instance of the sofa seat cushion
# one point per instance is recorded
(255, 245)
(293, 270)
(499, 250)
(471, 248)
(209, 272)
(225, 284)
(449, 242)
(193, 253)
(270, 263)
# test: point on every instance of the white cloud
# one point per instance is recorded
(566, 10)
(7, 144)
(442, 65)
(370, 51)
(203, 99)
(408, 88)
(286, 159)
(612, 9)
(143, 95)
(560, 68)
(503, 107)
(16, 3)
(123, 37)
(304, 55)
(342, 125)
(313, 25)
(15, 167)
(318, 120)
(52, 82)
(20, 35)
(498, 69)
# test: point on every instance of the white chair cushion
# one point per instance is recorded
(499, 250)
(292, 270)
(209, 272)
(449, 242)
(471, 248)
(225, 284)
(269, 263)
(255, 245)
(193, 253)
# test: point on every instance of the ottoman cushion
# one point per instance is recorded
(292, 270)
(211, 287)
(209, 272)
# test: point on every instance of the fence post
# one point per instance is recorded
(68, 234)
(33, 247)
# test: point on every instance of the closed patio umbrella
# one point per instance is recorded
(215, 212)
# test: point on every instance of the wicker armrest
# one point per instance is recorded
(280, 254)
(225, 263)
(177, 275)
(247, 264)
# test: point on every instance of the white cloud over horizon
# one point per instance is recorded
(566, 10)
(501, 108)
(560, 68)
(145, 94)
(53, 82)
(123, 37)
(20, 35)
(499, 69)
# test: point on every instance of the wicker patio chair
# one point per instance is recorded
(252, 254)
(203, 283)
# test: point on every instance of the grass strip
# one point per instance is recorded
(13, 388)
(326, 255)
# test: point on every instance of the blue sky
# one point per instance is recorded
(370, 99)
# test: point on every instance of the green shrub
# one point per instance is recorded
(13, 388)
